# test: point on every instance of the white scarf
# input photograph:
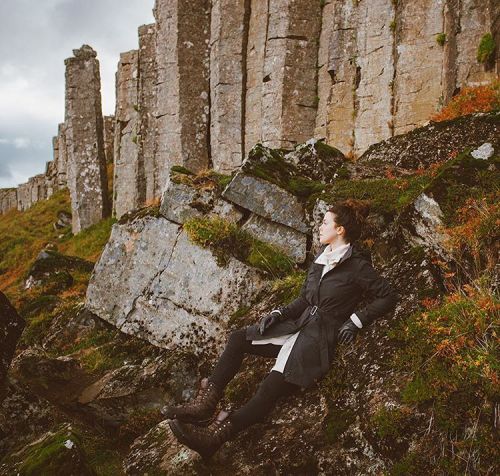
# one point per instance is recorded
(330, 257)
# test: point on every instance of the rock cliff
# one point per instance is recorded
(204, 86)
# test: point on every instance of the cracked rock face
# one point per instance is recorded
(152, 281)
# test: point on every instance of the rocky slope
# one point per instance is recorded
(104, 350)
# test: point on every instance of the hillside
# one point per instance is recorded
(101, 353)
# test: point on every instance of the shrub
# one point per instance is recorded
(483, 98)
(486, 48)
(441, 38)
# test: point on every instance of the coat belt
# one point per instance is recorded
(324, 331)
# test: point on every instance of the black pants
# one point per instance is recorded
(270, 389)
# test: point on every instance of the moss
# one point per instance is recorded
(386, 196)
(412, 463)
(45, 302)
(226, 239)
(441, 39)
(129, 217)
(389, 422)
(449, 354)
(486, 48)
(416, 253)
(288, 288)
(237, 315)
(205, 179)
(52, 457)
(462, 178)
(270, 165)
(39, 320)
(179, 169)
(337, 422)
(392, 25)
(36, 328)
(89, 243)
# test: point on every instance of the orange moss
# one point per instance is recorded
(483, 98)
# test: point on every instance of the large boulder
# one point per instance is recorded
(152, 281)
(433, 143)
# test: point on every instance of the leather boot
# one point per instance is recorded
(201, 409)
(205, 440)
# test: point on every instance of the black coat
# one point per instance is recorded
(337, 296)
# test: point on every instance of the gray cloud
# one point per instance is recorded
(36, 37)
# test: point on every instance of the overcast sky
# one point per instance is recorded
(35, 38)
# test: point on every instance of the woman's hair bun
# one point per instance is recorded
(360, 207)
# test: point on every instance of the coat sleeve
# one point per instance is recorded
(295, 308)
(384, 296)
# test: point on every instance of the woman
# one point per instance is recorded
(302, 336)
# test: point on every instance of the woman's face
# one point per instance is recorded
(329, 231)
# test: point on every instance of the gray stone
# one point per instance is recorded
(148, 184)
(109, 138)
(126, 149)
(483, 152)
(289, 76)
(290, 241)
(151, 281)
(86, 172)
(267, 200)
(181, 202)
(183, 85)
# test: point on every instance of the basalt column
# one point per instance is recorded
(109, 138)
(418, 62)
(8, 199)
(87, 177)
(182, 101)
(126, 150)
(228, 31)
(289, 95)
(149, 188)
(374, 73)
(62, 156)
(255, 54)
(344, 72)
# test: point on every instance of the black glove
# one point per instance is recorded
(269, 320)
(348, 332)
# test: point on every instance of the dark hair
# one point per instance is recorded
(351, 214)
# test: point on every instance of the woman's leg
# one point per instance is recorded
(270, 390)
(231, 358)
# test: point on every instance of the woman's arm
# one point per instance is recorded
(376, 286)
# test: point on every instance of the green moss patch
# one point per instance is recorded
(462, 178)
(386, 196)
(51, 456)
(485, 48)
(270, 165)
(226, 239)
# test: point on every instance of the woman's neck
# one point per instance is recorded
(336, 244)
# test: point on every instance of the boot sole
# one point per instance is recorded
(182, 438)
(188, 419)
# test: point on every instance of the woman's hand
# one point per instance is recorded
(269, 320)
(347, 332)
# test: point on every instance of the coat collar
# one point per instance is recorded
(345, 256)
(330, 257)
